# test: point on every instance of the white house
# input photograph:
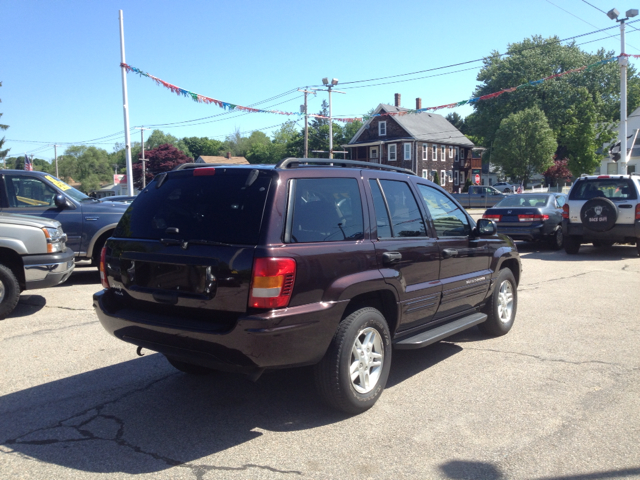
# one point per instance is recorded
(608, 166)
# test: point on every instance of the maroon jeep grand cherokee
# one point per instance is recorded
(307, 262)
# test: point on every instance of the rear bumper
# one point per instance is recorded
(622, 233)
(274, 339)
(528, 233)
(43, 271)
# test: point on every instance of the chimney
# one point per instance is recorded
(229, 155)
(397, 99)
(418, 103)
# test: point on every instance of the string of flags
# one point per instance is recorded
(231, 106)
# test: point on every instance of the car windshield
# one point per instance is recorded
(523, 201)
(77, 195)
(612, 188)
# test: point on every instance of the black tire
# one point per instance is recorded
(571, 244)
(599, 214)
(638, 246)
(333, 374)
(556, 241)
(189, 368)
(502, 306)
(9, 291)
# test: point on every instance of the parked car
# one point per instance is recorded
(33, 254)
(479, 197)
(530, 217)
(87, 221)
(307, 262)
(505, 187)
(119, 198)
(602, 210)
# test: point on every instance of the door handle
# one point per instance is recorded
(626, 205)
(389, 258)
(449, 252)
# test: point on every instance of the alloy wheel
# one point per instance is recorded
(367, 358)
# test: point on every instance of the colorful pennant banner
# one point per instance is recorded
(230, 106)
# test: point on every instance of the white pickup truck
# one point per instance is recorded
(33, 254)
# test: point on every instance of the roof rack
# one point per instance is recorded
(185, 166)
(297, 162)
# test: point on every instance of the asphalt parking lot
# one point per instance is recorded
(557, 398)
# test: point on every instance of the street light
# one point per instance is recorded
(334, 82)
(623, 60)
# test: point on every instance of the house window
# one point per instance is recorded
(391, 156)
(443, 178)
(450, 176)
(631, 169)
(407, 151)
(425, 148)
(612, 168)
(461, 155)
(456, 179)
(457, 154)
(382, 128)
(433, 175)
(450, 152)
(461, 178)
(373, 154)
(425, 173)
(434, 152)
(442, 152)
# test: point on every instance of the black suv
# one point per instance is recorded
(307, 262)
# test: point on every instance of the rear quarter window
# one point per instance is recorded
(226, 207)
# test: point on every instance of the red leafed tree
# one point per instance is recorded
(161, 159)
(559, 172)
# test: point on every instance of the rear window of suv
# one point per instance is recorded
(611, 188)
(226, 207)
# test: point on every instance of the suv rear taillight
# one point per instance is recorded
(272, 282)
(638, 211)
(565, 210)
(495, 218)
(103, 268)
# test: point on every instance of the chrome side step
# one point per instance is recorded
(443, 331)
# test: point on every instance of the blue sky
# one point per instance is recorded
(62, 82)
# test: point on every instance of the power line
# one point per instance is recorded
(472, 61)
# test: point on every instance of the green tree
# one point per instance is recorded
(158, 137)
(457, 121)
(203, 146)
(467, 184)
(436, 178)
(524, 144)
(560, 98)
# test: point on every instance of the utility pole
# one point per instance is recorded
(125, 107)
(334, 82)
(143, 160)
(306, 121)
(55, 150)
(623, 60)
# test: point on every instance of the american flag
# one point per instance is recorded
(27, 163)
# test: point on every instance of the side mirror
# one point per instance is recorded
(486, 227)
(61, 201)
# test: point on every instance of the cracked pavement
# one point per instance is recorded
(558, 397)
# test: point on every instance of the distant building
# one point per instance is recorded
(424, 142)
(222, 160)
(608, 166)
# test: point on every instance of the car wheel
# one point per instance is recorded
(187, 367)
(557, 239)
(502, 306)
(638, 246)
(571, 244)
(355, 369)
(9, 291)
